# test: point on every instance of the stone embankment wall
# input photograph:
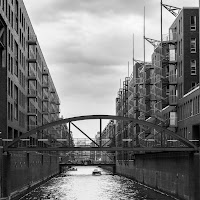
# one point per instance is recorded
(177, 174)
(22, 171)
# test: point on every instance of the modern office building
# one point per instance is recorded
(28, 97)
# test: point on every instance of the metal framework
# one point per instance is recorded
(172, 9)
(154, 42)
(189, 145)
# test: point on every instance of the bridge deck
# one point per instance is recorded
(135, 149)
(92, 164)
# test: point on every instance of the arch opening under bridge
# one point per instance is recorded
(186, 142)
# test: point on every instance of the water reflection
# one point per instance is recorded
(81, 185)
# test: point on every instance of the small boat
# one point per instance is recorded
(96, 172)
(72, 169)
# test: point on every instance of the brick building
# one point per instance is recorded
(166, 92)
(28, 97)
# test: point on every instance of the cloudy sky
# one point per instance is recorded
(87, 45)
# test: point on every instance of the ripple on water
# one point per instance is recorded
(81, 185)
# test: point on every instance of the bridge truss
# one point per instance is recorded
(184, 144)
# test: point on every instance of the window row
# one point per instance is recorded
(22, 99)
(10, 40)
(189, 108)
(22, 119)
(12, 111)
(7, 9)
(22, 39)
(193, 24)
(22, 79)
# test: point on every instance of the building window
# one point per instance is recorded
(181, 69)
(16, 59)
(9, 87)
(193, 45)
(12, 19)
(193, 23)
(16, 102)
(9, 111)
(193, 84)
(181, 47)
(193, 67)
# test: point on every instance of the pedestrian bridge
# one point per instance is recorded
(184, 144)
(88, 164)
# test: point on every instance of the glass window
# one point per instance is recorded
(193, 23)
(193, 45)
(193, 67)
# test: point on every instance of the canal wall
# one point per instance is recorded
(176, 174)
(22, 171)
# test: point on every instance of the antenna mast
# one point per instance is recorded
(144, 37)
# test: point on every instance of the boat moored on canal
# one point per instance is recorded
(96, 172)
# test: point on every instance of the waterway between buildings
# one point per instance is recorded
(81, 185)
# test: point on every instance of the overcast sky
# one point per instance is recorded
(87, 45)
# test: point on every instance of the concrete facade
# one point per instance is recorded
(176, 174)
(21, 172)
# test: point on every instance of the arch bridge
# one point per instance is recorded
(186, 145)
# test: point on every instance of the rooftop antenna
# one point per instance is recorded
(133, 51)
(144, 37)
(128, 68)
(161, 32)
(172, 9)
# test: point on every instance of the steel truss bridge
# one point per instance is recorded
(186, 144)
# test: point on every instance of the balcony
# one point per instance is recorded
(172, 36)
(32, 75)
(173, 79)
(172, 56)
(32, 40)
(32, 93)
(45, 111)
(45, 71)
(45, 98)
(45, 84)
(31, 127)
(31, 60)
(32, 111)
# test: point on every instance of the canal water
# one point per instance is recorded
(81, 185)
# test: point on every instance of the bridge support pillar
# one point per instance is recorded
(1, 170)
(194, 176)
(4, 166)
(114, 169)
